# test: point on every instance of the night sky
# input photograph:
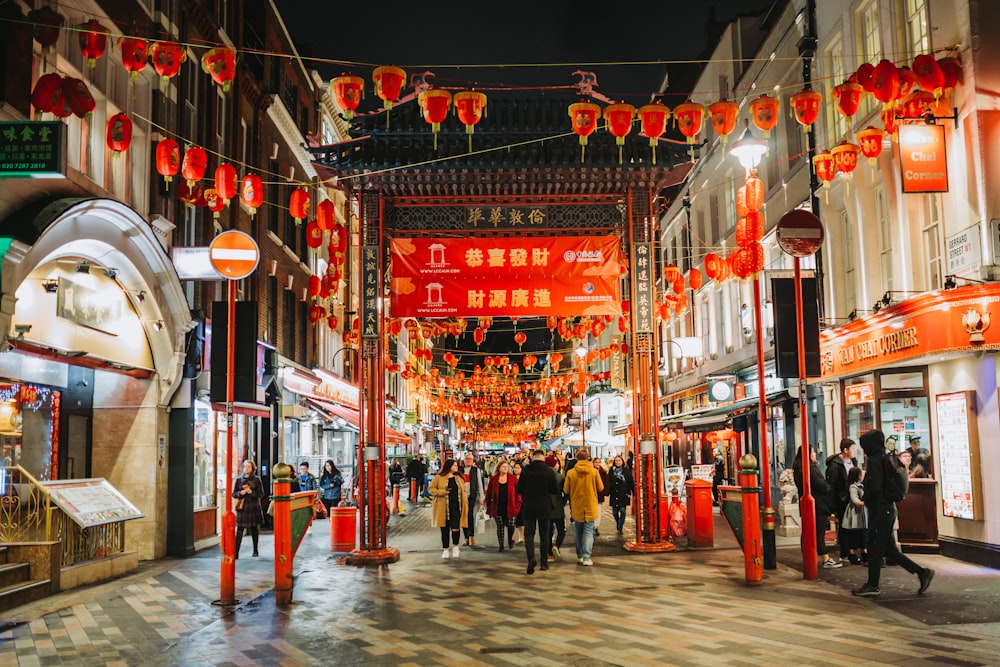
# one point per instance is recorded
(442, 37)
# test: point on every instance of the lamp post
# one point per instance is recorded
(749, 152)
(581, 354)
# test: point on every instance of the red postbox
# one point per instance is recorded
(343, 528)
(700, 515)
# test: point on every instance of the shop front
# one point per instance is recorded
(903, 371)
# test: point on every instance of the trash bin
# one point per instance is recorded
(700, 516)
(343, 528)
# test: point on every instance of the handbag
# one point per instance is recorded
(239, 504)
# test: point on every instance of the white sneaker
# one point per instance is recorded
(454, 552)
(446, 554)
(587, 562)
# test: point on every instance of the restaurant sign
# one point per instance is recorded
(32, 149)
(922, 158)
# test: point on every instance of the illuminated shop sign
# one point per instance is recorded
(922, 158)
(32, 149)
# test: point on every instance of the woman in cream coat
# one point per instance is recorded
(450, 508)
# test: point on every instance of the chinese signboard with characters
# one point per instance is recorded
(32, 149)
(369, 291)
(642, 309)
(496, 217)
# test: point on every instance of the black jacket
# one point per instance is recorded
(620, 481)
(536, 485)
(818, 487)
(873, 442)
(836, 477)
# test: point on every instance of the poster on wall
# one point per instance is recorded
(958, 446)
(91, 502)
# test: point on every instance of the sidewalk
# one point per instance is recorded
(683, 608)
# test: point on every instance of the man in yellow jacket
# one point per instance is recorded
(582, 485)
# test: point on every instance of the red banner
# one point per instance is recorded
(447, 277)
(923, 158)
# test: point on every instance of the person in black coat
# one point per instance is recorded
(820, 492)
(838, 466)
(536, 485)
(415, 471)
(621, 484)
(249, 492)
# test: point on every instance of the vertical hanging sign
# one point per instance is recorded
(642, 309)
(370, 290)
(923, 158)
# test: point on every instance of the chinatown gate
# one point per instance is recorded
(523, 183)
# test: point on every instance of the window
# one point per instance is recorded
(916, 37)
(288, 335)
(932, 243)
(273, 212)
(836, 122)
(271, 336)
(871, 47)
(884, 228)
(847, 261)
(713, 211)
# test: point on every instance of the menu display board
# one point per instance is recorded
(673, 481)
(91, 502)
(702, 472)
(958, 448)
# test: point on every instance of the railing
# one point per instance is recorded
(27, 514)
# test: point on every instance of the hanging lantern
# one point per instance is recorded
(325, 216)
(825, 167)
(907, 81)
(313, 286)
(220, 64)
(764, 111)
(134, 56)
(45, 26)
(848, 97)
(225, 182)
(723, 115)
(885, 82)
(870, 140)
(316, 313)
(671, 273)
(520, 337)
(252, 192)
(618, 118)
(298, 205)
(332, 322)
(167, 58)
(736, 264)
(866, 77)
(951, 70)
(583, 116)
(681, 305)
(694, 279)
(653, 119)
(678, 285)
(916, 104)
(314, 235)
(47, 89)
(119, 133)
(470, 105)
(478, 336)
(194, 165)
(191, 196)
(168, 159)
(805, 107)
(347, 92)
(754, 225)
(754, 257)
(755, 193)
(434, 104)
(741, 202)
(889, 119)
(338, 239)
(388, 84)
(93, 41)
(713, 266)
(689, 116)
(78, 96)
(741, 233)
(845, 157)
(215, 202)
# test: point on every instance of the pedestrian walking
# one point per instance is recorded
(881, 493)
(331, 485)
(718, 474)
(415, 471)
(582, 485)
(558, 509)
(536, 485)
(838, 466)
(249, 491)
(503, 503)
(820, 492)
(449, 510)
(473, 477)
(621, 487)
(601, 495)
(855, 521)
(307, 480)
(516, 469)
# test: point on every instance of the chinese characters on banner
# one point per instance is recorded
(529, 276)
(642, 312)
(32, 149)
(369, 291)
(479, 217)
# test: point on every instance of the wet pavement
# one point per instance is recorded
(691, 607)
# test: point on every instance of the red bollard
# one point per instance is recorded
(395, 499)
(700, 516)
(753, 551)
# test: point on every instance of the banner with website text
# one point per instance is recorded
(519, 277)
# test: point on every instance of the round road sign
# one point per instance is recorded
(800, 233)
(234, 254)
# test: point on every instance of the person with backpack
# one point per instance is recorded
(838, 467)
(886, 483)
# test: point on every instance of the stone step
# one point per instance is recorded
(14, 573)
(27, 591)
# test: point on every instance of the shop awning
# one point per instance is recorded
(248, 409)
(714, 419)
(353, 418)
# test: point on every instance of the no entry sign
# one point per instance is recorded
(800, 233)
(234, 254)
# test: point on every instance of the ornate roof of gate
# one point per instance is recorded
(524, 146)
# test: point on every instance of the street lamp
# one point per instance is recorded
(750, 152)
(581, 354)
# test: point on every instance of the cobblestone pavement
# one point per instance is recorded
(683, 608)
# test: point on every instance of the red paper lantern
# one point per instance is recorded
(313, 286)
(93, 41)
(678, 285)
(764, 111)
(755, 193)
(168, 159)
(434, 104)
(215, 201)
(689, 117)
(220, 64)
(167, 58)
(694, 279)
(470, 106)
(583, 117)
(314, 235)
(713, 266)
(889, 119)
(737, 264)
(225, 182)
(520, 338)
(907, 81)
(653, 120)
(298, 204)
(191, 196)
(252, 192)
(741, 202)
(347, 93)
(478, 336)
(194, 165)
(619, 119)
(338, 239)
(916, 104)
(45, 25)
(134, 55)
(723, 115)
(848, 97)
(754, 225)
(951, 69)
(78, 96)
(671, 273)
(845, 156)
(753, 256)
(741, 233)
(325, 215)
(332, 322)
(388, 84)
(681, 305)
(870, 140)
(119, 133)
(825, 168)
(805, 107)
(866, 77)
(47, 90)
(316, 313)
(885, 82)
